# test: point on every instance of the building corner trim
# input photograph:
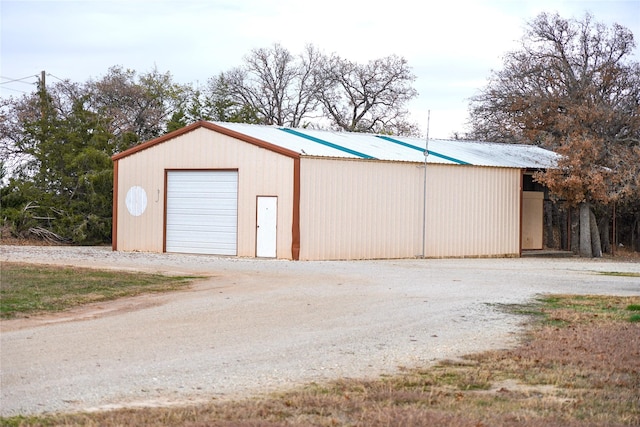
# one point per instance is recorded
(522, 171)
(295, 226)
(114, 214)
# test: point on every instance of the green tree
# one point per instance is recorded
(214, 103)
(220, 104)
(178, 120)
(62, 188)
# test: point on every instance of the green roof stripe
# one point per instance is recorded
(433, 153)
(327, 143)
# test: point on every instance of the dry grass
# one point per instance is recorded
(578, 365)
(8, 237)
(624, 254)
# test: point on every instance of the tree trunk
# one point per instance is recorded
(564, 222)
(605, 232)
(585, 230)
(632, 244)
(575, 230)
(635, 233)
(549, 225)
(596, 247)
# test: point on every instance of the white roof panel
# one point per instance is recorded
(274, 135)
(323, 143)
(491, 153)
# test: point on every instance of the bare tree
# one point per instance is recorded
(139, 106)
(275, 84)
(312, 88)
(572, 88)
(367, 97)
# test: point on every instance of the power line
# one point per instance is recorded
(56, 77)
(14, 90)
(12, 80)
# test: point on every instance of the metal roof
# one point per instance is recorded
(324, 143)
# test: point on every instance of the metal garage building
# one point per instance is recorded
(265, 191)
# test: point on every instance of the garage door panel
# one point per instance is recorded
(208, 234)
(198, 247)
(202, 207)
(223, 203)
(205, 215)
(202, 212)
(200, 250)
(203, 238)
(197, 198)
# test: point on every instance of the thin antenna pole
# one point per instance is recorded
(424, 187)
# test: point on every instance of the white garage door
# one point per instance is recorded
(202, 212)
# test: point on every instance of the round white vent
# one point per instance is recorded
(136, 200)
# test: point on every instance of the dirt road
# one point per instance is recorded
(260, 325)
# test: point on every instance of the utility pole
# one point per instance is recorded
(43, 94)
(44, 108)
(424, 206)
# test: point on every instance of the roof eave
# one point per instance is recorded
(211, 126)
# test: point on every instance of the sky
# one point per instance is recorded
(451, 45)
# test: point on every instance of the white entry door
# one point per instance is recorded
(266, 223)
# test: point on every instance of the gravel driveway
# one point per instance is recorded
(256, 326)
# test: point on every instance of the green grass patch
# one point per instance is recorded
(567, 310)
(551, 301)
(634, 318)
(30, 288)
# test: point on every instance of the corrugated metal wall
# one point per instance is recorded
(260, 172)
(353, 209)
(349, 209)
(472, 211)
